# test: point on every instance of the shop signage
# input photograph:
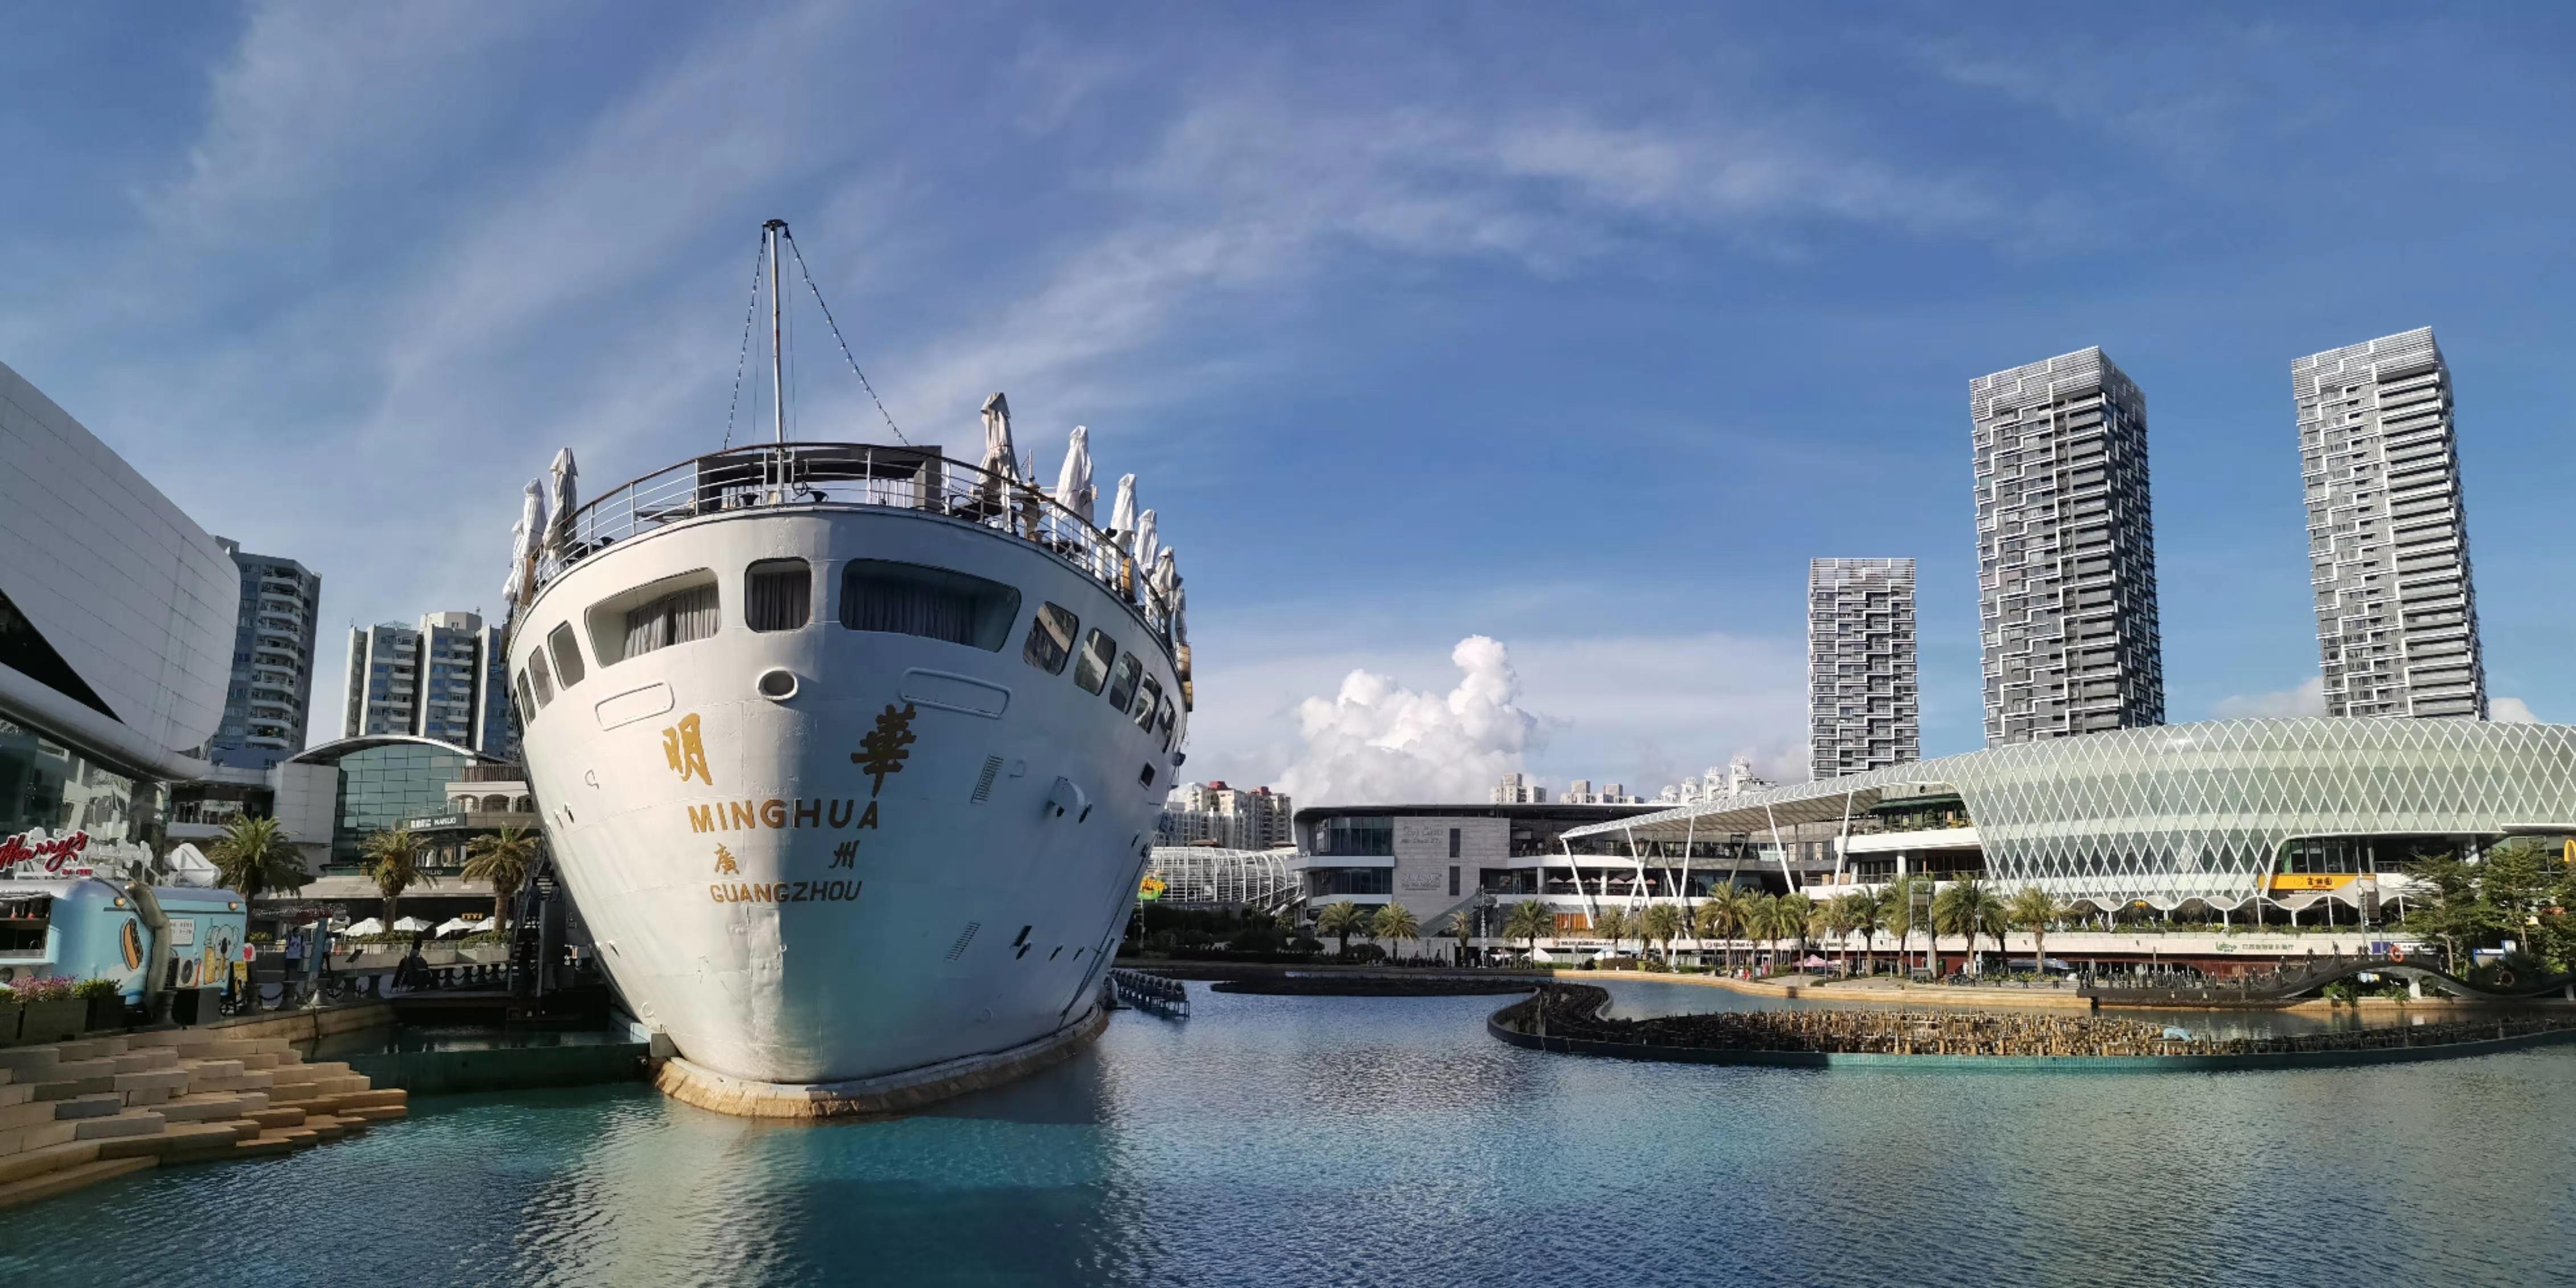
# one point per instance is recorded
(434, 822)
(33, 855)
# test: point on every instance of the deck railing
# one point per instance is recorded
(898, 479)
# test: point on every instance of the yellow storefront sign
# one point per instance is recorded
(2311, 880)
(1151, 888)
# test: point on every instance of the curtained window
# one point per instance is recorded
(1050, 639)
(675, 618)
(778, 595)
(912, 599)
(567, 653)
(536, 675)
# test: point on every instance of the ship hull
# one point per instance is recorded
(919, 853)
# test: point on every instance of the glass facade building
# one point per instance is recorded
(2220, 813)
(384, 783)
(45, 784)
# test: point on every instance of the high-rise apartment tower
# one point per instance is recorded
(444, 679)
(1861, 706)
(2388, 535)
(2066, 551)
(271, 689)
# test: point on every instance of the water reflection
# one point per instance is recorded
(1388, 1140)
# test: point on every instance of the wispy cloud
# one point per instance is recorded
(2306, 698)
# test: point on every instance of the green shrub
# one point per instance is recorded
(90, 990)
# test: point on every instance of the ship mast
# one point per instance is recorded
(774, 230)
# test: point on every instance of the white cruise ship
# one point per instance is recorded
(850, 754)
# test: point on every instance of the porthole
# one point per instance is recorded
(777, 684)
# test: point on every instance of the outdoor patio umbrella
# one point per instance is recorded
(454, 925)
(1073, 489)
(1814, 960)
(410, 924)
(561, 499)
(370, 926)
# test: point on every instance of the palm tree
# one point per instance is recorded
(1339, 920)
(1612, 925)
(503, 858)
(1734, 918)
(1462, 927)
(1663, 921)
(1762, 921)
(1798, 917)
(1835, 920)
(1396, 923)
(393, 863)
(1868, 914)
(2032, 910)
(1967, 908)
(1899, 912)
(255, 856)
(1530, 919)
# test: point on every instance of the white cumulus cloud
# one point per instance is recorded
(1376, 742)
(2510, 711)
(2307, 699)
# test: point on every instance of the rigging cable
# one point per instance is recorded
(741, 359)
(845, 344)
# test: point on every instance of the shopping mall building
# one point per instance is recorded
(2310, 819)
(117, 615)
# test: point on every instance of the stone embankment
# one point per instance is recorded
(76, 1113)
(1568, 1018)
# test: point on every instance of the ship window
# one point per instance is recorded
(527, 705)
(1122, 682)
(567, 655)
(1165, 720)
(1146, 696)
(910, 599)
(1098, 651)
(537, 677)
(656, 615)
(778, 595)
(1050, 639)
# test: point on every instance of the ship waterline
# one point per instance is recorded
(844, 790)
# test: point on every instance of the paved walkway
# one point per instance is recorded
(76, 1113)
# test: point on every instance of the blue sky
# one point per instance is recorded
(1581, 333)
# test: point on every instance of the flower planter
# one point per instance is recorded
(10, 1014)
(106, 1012)
(59, 1021)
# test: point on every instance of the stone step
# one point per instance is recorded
(224, 1068)
(261, 1147)
(29, 1061)
(67, 1088)
(299, 1137)
(375, 1096)
(325, 1068)
(327, 1126)
(133, 1122)
(36, 1162)
(91, 1049)
(138, 1097)
(16, 1093)
(201, 1109)
(262, 1060)
(65, 1180)
(276, 1116)
(173, 1079)
(242, 1128)
(378, 1113)
(28, 1140)
(94, 1106)
(27, 1114)
(177, 1138)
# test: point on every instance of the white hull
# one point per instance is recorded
(783, 914)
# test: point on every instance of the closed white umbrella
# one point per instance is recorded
(562, 499)
(523, 543)
(1146, 546)
(1001, 459)
(1073, 489)
(1122, 510)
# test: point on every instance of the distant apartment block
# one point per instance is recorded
(1518, 789)
(1213, 813)
(2066, 557)
(1582, 792)
(270, 693)
(442, 679)
(1862, 710)
(2388, 538)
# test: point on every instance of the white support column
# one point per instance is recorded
(1843, 848)
(1591, 910)
(1785, 873)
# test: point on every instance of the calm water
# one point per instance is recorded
(1386, 1140)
